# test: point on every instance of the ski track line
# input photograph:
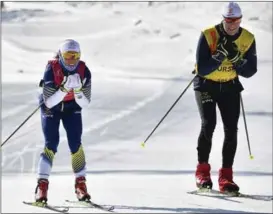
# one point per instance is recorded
(17, 110)
(19, 155)
(26, 132)
(33, 127)
(16, 94)
(15, 154)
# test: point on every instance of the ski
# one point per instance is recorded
(91, 204)
(47, 206)
(217, 193)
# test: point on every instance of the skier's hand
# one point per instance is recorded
(221, 52)
(76, 84)
(233, 52)
(65, 85)
(234, 55)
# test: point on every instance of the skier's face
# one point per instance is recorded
(231, 25)
(71, 57)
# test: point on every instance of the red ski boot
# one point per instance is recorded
(81, 190)
(41, 190)
(202, 176)
(225, 180)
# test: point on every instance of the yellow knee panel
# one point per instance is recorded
(78, 160)
(49, 154)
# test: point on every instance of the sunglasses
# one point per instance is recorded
(232, 20)
(71, 55)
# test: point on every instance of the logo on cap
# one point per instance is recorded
(72, 45)
(230, 11)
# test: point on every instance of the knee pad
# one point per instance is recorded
(78, 160)
(48, 155)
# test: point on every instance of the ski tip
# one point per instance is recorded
(65, 210)
(251, 157)
(143, 145)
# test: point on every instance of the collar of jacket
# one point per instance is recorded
(222, 32)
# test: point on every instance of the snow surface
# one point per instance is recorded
(141, 57)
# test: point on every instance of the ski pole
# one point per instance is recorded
(183, 92)
(247, 136)
(21, 124)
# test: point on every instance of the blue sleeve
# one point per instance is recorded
(87, 74)
(205, 63)
(250, 67)
(49, 87)
(88, 84)
(48, 76)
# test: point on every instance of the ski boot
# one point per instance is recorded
(41, 190)
(202, 176)
(226, 183)
(81, 189)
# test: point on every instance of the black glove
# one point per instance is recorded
(221, 51)
(233, 53)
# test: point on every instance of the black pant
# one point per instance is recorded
(229, 106)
